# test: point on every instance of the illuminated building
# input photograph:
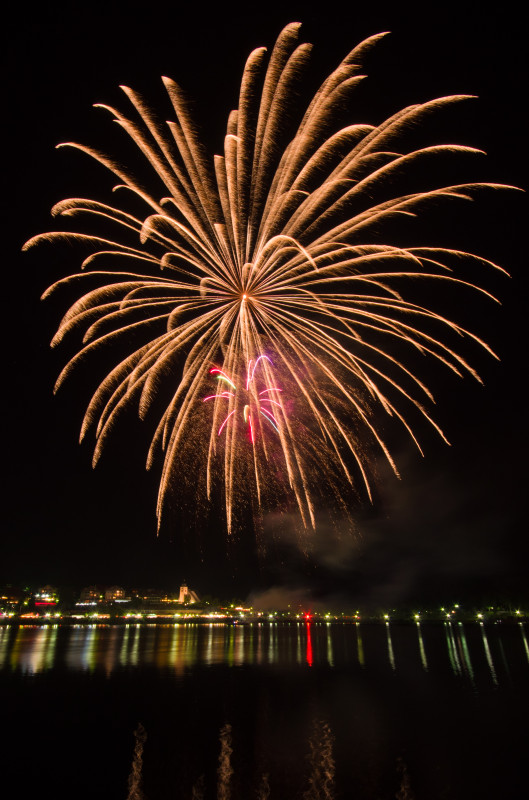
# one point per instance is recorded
(90, 595)
(47, 596)
(187, 595)
(116, 594)
(10, 596)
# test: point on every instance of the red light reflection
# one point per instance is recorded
(309, 642)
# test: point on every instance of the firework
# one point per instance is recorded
(257, 402)
(269, 256)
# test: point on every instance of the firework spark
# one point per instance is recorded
(273, 247)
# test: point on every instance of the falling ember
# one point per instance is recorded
(274, 246)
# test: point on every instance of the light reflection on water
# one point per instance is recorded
(359, 645)
(487, 653)
(391, 655)
(33, 649)
(424, 660)
(320, 778)
(526, 646)
(270, 711)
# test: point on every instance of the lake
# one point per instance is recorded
(279, 711)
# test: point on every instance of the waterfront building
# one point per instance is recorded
(187, 595)
(11, 597)
(116, 594)
(91, 595)
(47, 596)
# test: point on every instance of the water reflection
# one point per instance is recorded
(318, 776)
(359, 645)
(198, 789)
(135, 777)
(5, 633)
(88, 649)
(225, 769)
(124, 646)
(263, 792)
(524, 640)
(268, 711)
(322, 766)
(465, 652)
(391, 655)
(33, 648)
(329, 646)
(405, 791)
(309, 646)
(452, 648)
(487, 653)
(471, 649)
(422, 650)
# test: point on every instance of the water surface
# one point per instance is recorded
(275, 711)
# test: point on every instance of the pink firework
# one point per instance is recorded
(259, 402)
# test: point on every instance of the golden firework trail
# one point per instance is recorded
(269, 253)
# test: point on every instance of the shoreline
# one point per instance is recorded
(133, 620)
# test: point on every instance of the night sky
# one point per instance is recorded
(455, 524)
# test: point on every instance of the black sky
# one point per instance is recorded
(456, 521)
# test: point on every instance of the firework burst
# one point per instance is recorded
(267, 256)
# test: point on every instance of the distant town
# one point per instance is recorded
(115, 604)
